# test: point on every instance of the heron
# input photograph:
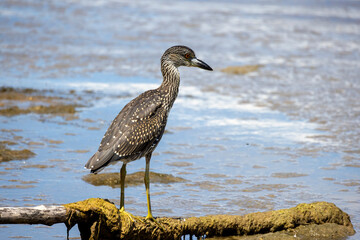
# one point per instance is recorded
(138, 128)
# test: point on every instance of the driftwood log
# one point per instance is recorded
(100, 219)
(47, 215)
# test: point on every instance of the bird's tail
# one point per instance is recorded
(97, 162)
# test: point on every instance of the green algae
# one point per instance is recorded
(101, 216)
(326, 231)
(100, 219)
(288, 175)
(39, 166)
(7, 154)
(241, 70)
(10, 98)
(134, 179)
(39, 109)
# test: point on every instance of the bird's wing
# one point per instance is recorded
(132, 131)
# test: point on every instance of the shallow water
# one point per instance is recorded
(284, 134)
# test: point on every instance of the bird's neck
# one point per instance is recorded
(171, 80)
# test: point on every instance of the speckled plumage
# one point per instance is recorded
(134, 132)
(138, 128)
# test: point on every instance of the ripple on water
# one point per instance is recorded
(297, 114)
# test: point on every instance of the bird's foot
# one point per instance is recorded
(129, 215)
(151, 218)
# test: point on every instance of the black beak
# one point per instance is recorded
(200, 64)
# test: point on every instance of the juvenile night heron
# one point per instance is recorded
(138, 128)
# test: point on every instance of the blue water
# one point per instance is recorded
(297, 114)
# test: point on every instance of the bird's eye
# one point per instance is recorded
(187, 55)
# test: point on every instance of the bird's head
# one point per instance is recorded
(183, 56)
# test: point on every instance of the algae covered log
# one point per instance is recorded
(100, 219)
(103, 221)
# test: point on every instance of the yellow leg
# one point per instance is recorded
(122, 194)
(122, 182)
(147, 186)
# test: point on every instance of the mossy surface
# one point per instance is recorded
(39, 109)
(326, 231)
(95, 217)
(7, 154)
(134, 179)
(39, 102)
(241, 70)
(100, 219)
